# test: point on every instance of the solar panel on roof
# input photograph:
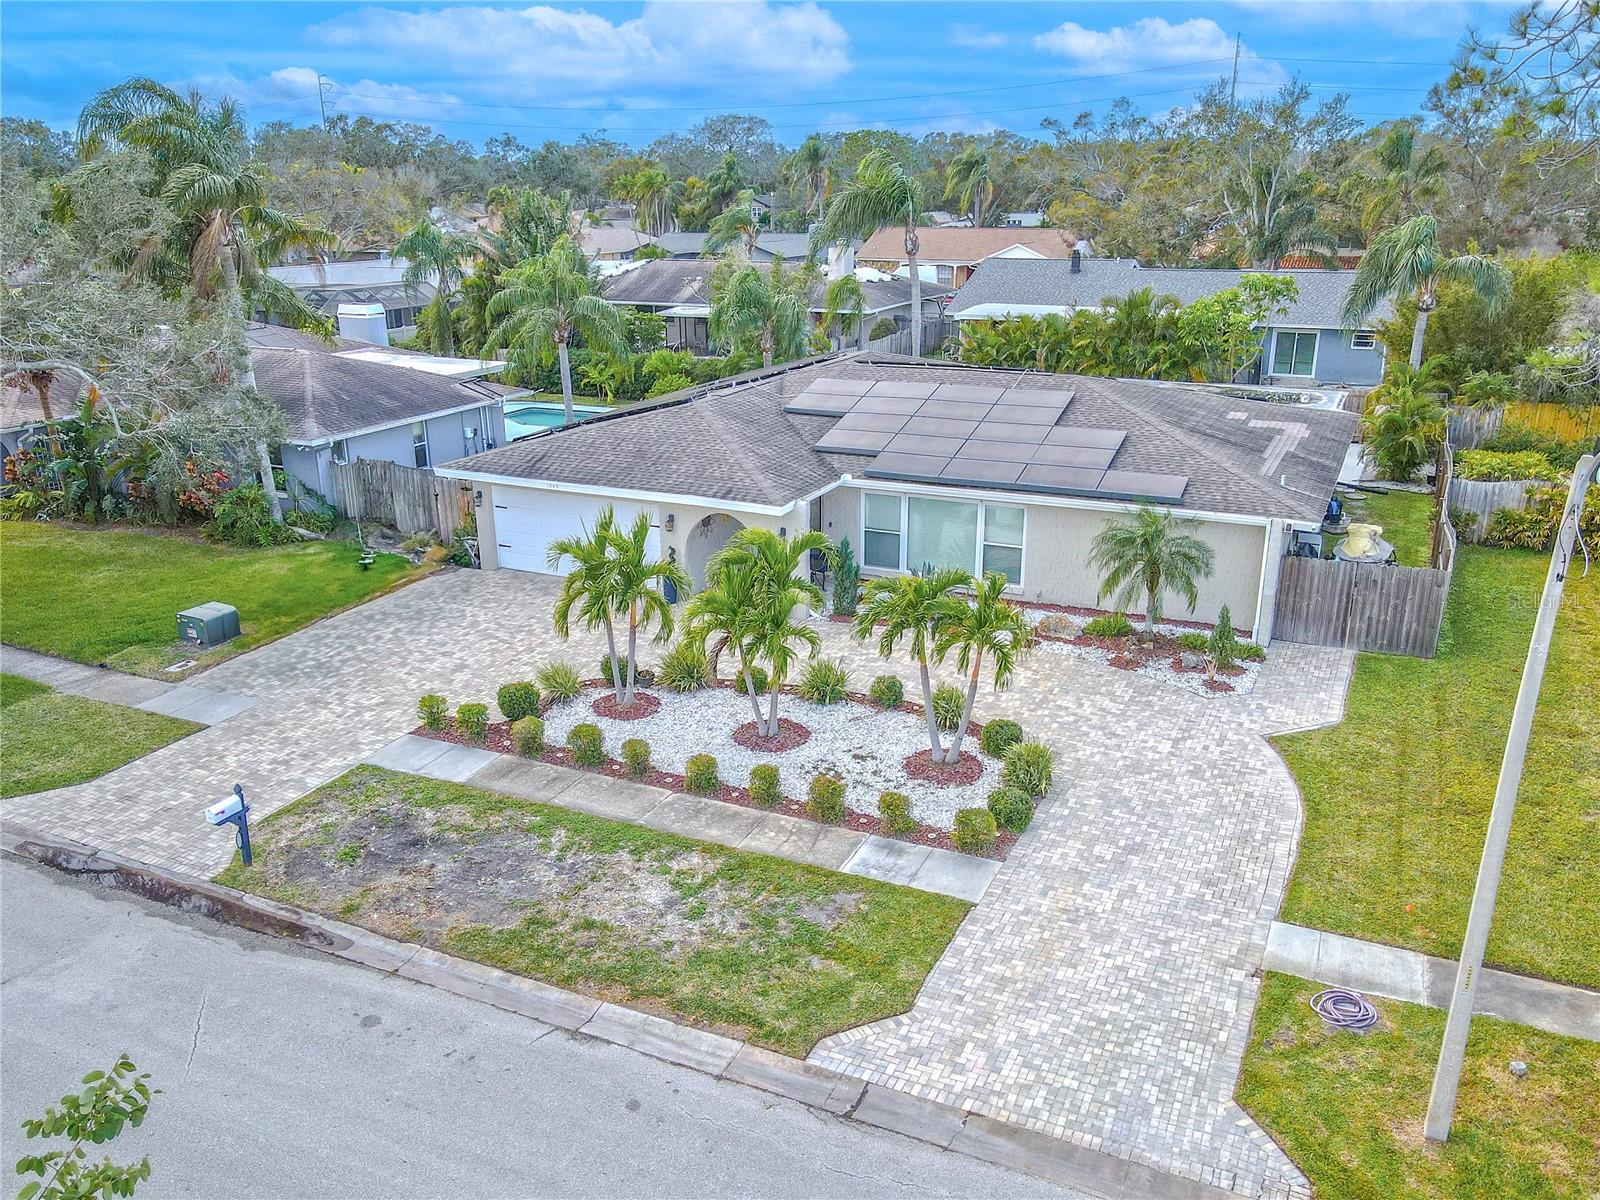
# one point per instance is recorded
(1072, 456)
(904, 405)
(1018, 452)
(1021, 414)
(945, 447)
(878, 422)
(957, 410)
(852, 441)
(902, 387)
(940, 427)
(967, 391)
(906, 466)
(840, 387)
(1142, 485)
(980, 471)
(1037, 397)
(1060, 479)
(1004, 431)
(1067, 435)
(819, 404)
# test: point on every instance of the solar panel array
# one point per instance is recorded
(958, 433)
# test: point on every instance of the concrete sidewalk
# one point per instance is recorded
(1348, 962)
(200, 705)
(925, 867)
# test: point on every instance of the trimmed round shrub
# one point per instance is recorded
(1027, 768)
(974, 831)
(894, 813)
(758, 677)
(643, 676)
(825, 682)
(998, 736)
(1012, 808)
(636, 757)
(518, 700)
(1252, 652)
(588, 750)
(764, 785)
(433, 709)
(700, 774)
(527, 735)
(559, 681)
(948, 705)
(887, 691)
(1112, 625)
(472, 721)
(685, 668)
(1197, 642)
(825, 798)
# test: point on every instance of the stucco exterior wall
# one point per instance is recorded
(1336, 361)
(685, 517)
(310, 465)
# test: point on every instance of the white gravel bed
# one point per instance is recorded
(1160, 669)
(861, 745)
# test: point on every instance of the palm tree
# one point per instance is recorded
(636, 587)
(968, 182)
(736, 223)
(1406, 260)
(722, 183)
(1406, 180)
(652, 190)
(590, 585)
(1405, 422)
(724, 615)
(845, 303)
(989, 625)
(544, 303)
(806, 171)
(882, 192)
(765, 306)
(1281, 218)
(914, 607)
(224, 231)
(436, 256)
(1150, 554)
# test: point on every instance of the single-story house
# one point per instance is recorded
(920, 464)
(611, 243)
(343, 406)
(948, 254)
(790, 247)
(1307, 344)
(680, 290)
(326, 286)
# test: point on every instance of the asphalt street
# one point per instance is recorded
(287, 1074)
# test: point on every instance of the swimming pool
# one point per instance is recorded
(525, 419)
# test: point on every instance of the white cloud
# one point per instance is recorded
(976, 37)
(677, 43)
(1198, 48)
(270, 96)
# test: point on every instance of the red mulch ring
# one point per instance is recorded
(497, 737)
(790, 735)
(1216, 685)
(1177, 666)
(1126, 662)
(921, 766)
(644, 705)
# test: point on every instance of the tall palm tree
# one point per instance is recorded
(1280, 217)
(1405, 422)
(882, 192)
(736, 223)
(652, 191)
(991, 626)
(1406, 261)
(436, 256)
(1147, 555)
(806, 171)
(1407, 178)
(969, 183)
(544, 303)
(843, 303)
(637, 581)
(722, 183)
(225, 232)
(589, 589)
(765, 306)
(914, 608)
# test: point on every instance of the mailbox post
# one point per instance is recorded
(234, 811)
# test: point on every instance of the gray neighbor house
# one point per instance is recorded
(1307, 345)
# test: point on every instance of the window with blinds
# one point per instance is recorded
(941, 533)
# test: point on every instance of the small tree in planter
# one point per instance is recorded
(1222, 647)
(846, 581)
(988, 626)
(1147, 555)
(913, 607)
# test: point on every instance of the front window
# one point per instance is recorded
(940, 533)
(881, 528)
(946, 274)
(1002, 541)
(1294, 352)
(341, 452)
(419, 443)
(1363, 339)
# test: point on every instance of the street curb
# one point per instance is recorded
(941, 1125)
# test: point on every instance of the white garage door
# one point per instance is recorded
(527, 521)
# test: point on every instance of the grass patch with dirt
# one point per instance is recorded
(1397, 796)
(1349, 1109)
(112, 596)
(52, 739)
(1406, 519)
(750, 945)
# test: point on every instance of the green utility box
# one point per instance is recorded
(207, 625)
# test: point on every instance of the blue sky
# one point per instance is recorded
(635, 70)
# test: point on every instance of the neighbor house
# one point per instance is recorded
(948, 254)
(379, 281)
(790, 247)
(919, 464)
(611, 243)
(1307, 343)
(680, 290)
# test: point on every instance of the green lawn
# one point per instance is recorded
(52, 739)
(1397, 797)
(1407, 521)
(103, 596)
(747, 944)
(1349, 1109)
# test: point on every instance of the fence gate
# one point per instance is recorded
(1361, 606)
(409, 499)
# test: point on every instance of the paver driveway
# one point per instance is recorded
(1103, 990)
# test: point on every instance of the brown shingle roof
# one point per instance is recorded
(958, 245)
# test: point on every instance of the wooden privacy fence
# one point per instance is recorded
(1483, 498)
(410, 499)
(1469, 428)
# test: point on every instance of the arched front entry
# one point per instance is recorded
(704, 540)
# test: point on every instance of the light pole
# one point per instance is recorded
(1442, 1102)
